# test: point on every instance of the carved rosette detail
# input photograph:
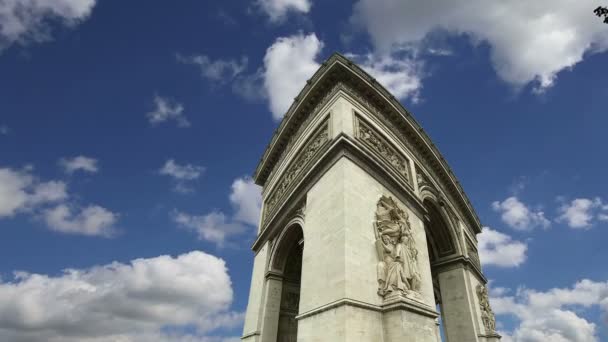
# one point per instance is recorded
(296, 169)
(373, 139)
(487, 315)
(398, 272)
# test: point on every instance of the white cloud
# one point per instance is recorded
(20, 191)
(277, 10)
(138, 301)
(289, 62)
(400, 75)
(219, 70)
(518, 216)
(167, 110)
(217, 227)
(29, 21)
(498, 249)
(4, 130)
(181, 172)
(214, 227)
(246, 198)
(530, 41)
(552, 315)
(580, 213)
(92, 220)
(82, 163)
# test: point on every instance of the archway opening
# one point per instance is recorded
(291, 251)
(440, 244)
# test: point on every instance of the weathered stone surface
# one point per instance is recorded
(386, 231)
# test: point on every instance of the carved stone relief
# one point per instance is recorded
(313, 113)
(412, 144)
(487, 315)
(421, 179)
(374, 140)
(397, 270)
(297, 167)
(473, 255)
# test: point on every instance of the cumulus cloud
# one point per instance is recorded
(181, 174)
(79, 163)
(399, 74)
(246, 198)
(92, 220)
(581, 213)
(166, 110)
(288, 63)
(518, 216)
(29, 21)
(277, 10)
(552, 315)
(143, 300)
(217, 227)
(498, 249)
(530, 41)
(21, 191)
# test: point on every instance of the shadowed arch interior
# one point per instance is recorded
(288, 261)
(440, 239)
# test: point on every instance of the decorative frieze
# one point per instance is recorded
(395, 123)
(397, 271)
(379, 145)
(296, 169)
(303, 125)
(473, 255)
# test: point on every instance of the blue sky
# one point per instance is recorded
(129, 130)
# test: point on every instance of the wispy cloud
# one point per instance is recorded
(79, 163)
(23, 193)
(182, 175)
(216, 226)
(23, 22)
(167, 110)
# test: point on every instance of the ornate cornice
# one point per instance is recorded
(339, 73)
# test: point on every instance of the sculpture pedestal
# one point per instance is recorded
(405, 319)
(490, 338)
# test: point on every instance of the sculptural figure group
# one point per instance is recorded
(398, 272)
(487, 315)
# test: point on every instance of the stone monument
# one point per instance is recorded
(365, 233)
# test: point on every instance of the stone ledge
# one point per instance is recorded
(252, 334)
(399, 304)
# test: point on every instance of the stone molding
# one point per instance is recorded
(342, 146)
(401, 304)
(458, 262)
(251, 334)
(294, 171)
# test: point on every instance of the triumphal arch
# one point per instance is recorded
(365, 233)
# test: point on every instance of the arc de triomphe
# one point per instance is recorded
(365, 232)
